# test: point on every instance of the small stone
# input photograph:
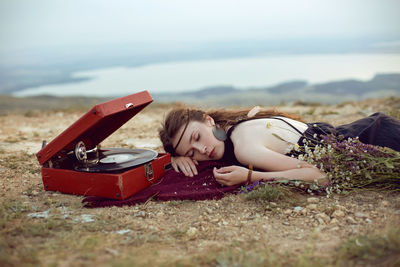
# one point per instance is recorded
(340, 207)
(299, 237)
(351, 220)
(337, 214)
(297, 209)
(84, 218)
(334, 221)
(368, 220)
(360, 214)
(287, 212)
(286, 223)
(112, 251)
(323, 217)
(216, 220)
(192, 233)
(304, 212)
(43, 214)
(312, 206)
(273, 204)
(385, 203)
(34, 193)
(123, 231)
(336, 228)
(153, 228)
(141, 214)
(209, 211)
(312, 200)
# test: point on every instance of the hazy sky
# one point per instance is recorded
(38, 23)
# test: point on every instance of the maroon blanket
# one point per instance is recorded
(174, 186)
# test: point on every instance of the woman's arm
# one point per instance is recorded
(232, 175)
(250, 149)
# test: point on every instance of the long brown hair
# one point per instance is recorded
(224, 118)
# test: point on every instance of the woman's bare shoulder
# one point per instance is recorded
(249, 132)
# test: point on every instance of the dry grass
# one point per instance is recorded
(233, 231)
(378, 249)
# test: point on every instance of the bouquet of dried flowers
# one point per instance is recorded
(351, 164)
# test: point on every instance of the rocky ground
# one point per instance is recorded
(40, 227)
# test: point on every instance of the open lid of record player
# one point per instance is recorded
(96, 125)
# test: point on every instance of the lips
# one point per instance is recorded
(211, 155)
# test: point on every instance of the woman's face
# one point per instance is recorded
(198, 141)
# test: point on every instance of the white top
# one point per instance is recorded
(276, 134)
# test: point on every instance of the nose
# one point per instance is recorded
(201, 148)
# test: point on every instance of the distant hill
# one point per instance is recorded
(380, 85)
(379, 82)
(287, 87)
(214, 90)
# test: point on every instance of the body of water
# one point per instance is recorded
(251, 72)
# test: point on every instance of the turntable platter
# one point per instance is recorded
(116, 159)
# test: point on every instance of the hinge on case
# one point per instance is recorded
(148, 172)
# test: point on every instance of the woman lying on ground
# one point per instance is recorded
(263, 139)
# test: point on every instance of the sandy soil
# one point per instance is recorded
(177, 232)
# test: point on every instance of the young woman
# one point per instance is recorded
(259, 139)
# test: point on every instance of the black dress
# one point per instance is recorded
(378, 129)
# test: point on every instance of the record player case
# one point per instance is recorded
(91, 129)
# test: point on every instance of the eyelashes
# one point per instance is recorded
(196, 138)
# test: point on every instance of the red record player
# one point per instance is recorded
(74, 163)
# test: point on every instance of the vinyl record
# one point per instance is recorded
(116, 159)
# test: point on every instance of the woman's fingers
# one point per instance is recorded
(230, 175)
(175, 166)
(223, 178)
(218, 174)
(185, 165)
(190, 167)
(224, 169)
(185, 168)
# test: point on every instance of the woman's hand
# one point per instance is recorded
(185, 164)
(231, 175)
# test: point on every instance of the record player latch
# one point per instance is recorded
(148, 171)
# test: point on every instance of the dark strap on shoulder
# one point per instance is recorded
(288, 123)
